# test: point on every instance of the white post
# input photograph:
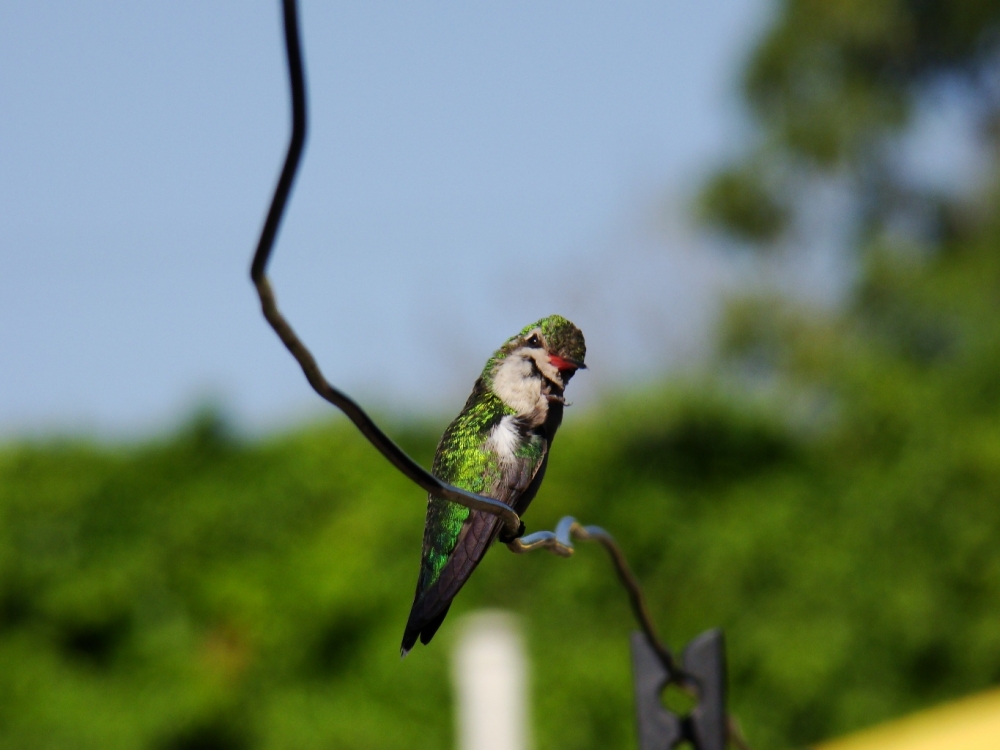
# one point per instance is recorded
(490, 683)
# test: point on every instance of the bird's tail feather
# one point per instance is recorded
(421, 626)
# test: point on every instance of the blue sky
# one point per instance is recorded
(470, 168)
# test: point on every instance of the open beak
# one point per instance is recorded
(566, 365)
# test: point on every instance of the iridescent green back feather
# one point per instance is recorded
(462, 461)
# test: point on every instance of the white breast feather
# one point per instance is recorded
(504, 439)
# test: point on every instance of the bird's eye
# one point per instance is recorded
(533, 340)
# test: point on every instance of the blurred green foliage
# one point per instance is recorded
(206, 592)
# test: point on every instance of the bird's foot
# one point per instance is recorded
(506, 537)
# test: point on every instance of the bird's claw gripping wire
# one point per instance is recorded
(559, 542)
(507, 537)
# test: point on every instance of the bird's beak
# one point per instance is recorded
(564, 365)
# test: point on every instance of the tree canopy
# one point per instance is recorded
(831, 88)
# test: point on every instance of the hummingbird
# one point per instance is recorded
(498, 446)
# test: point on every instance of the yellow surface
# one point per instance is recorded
(969, 724)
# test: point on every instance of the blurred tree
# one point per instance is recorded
(832, 87)
(897, 392)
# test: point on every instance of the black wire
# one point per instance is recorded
(382, 442)
(298, 141)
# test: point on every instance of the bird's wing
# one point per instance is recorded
(455, 537)
(480, 528)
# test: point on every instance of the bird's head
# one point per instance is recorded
(544, 354)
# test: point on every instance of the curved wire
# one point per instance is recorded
(382, 442)
(560, 542)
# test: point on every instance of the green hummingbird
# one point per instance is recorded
(498, 446)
